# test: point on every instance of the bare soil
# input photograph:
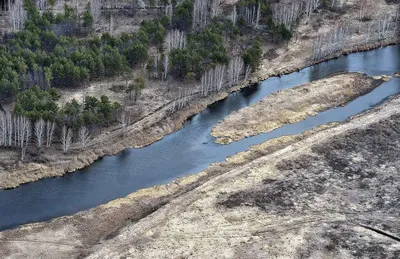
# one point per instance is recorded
(293, 105)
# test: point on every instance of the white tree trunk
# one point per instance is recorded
(95, 9)
(66, 138)
(50, 126)
(39, 132)
(84, 136)
(3, 129)
(17, 15)
(235, 68)
(212, 80)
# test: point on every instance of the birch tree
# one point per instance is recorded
(125, 121)
(41, 5)
(383, 27)
(66, 138)
(286, 12)
(212, 80)
(84, 136)
(200, 14)
(253, 15)
(50, 126)
(166, 66)
(215, 8)
(235, 68)
(25, 136)
(39, 133)
(332, 41)
(338, 4)
(3, 129)
(310, 5)
(175, 39)
(95, 9)
(9, 125)
(169, 11)
(234, 15)
(17, 15)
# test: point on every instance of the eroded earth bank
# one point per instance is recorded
(331, 192)
(293, 105)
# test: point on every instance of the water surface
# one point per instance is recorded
(189, 150)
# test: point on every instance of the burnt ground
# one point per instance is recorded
(356, 175)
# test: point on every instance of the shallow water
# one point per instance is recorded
(190, 149)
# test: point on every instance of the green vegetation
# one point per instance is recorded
(55, 51)
(137, 87)
(36, 103)
(252, 56)
(205, 50)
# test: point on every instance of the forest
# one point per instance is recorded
(194, 40)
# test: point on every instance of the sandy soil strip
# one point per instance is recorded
(293, 105)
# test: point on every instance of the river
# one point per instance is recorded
(190, 149)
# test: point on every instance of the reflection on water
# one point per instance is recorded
(188, 150)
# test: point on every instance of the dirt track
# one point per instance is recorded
(293, 105)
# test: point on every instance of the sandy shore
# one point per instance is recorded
(293, 105)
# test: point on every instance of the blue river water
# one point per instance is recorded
(190, 149)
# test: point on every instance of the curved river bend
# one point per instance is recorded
(189, 150)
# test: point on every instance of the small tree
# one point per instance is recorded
(84, 136)
(66, 138)
(87, 19)
(39, 132)
(252, 56)
(139, 86)
(50, 125)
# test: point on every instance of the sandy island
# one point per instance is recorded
(293, 105)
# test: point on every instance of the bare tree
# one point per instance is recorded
(338, 3)
(84, 136)
(235, 68)
(234, 15)
(17, 15)
(39, 132)
(169, 10)
(166, 66)
(9, 124)
(183, 98)
(125, 121)
(175, 39)
(330, 42)
(41, 5)
(286, 12)
(50, 126)
(95, 9)
(310, 6)
(3, 129)
(253, 14)
(383, 27)
(26, 135)
(66, 138)
(247, 73)
(215, 8)
(212, 80)
(200, 14)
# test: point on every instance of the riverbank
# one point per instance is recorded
(294, 105)
(144, 132)
(222, 202)
(159, 122)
